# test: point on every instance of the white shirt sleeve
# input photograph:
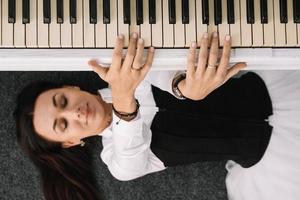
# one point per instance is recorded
(162, 79)
(131, 156)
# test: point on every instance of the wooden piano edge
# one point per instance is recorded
(12, 59)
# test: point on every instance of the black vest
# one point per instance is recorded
(228, 124)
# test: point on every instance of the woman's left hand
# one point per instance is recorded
(208, 75)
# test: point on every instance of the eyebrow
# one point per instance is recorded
(54, 103)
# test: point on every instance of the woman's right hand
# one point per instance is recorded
(124, 77)
(202, 79)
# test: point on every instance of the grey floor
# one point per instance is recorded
(20, 179)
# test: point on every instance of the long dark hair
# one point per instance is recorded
(66, 173)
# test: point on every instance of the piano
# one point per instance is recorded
(62, 35)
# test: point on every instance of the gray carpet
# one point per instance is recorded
(20, 179)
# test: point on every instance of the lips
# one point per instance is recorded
(87, 112)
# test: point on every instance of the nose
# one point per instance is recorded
(77, 113)
(81, 112)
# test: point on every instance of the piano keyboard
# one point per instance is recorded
(162, 23)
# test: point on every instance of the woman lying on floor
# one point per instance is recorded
(148, 121)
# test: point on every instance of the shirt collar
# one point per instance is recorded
(105, 94)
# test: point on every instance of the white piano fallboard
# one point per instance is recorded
(165, 59)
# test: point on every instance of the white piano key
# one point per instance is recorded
(157, 28)
(66, 27)
(145, 27)
(235, 29)
(77, 29)
(257, 27)
(112, 31)
(291, 28)
(100, 27)
(298, 31)
(280, 34)
(7, 33)
(190, 29)
(179, 39)
(19, 29)
(224, 27)
(122, 28)
(31, 28)
(211, 26)
(89, 29)
(54, 27)
(201, 28)
(133, 26)
(269, 34)
(246, 29)
(168, 29)
(43, 36)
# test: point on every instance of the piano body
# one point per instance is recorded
(62, 35)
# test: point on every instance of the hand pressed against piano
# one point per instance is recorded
(124, 77)
(208, 74)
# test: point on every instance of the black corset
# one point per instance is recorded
(230, 123)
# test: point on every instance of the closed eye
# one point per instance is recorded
(64, 101)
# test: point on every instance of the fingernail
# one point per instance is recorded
(134, 35)
(215, 34)
(205, 35)
(194, 44)
(141, 41)
(227, 37)
(121, 36)
(245, 64)
(152, 49)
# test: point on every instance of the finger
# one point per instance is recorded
(222, 68)
(117, 54)
(234, 70)
(131, 52)
(213, 54)
(191, 60)
(203, 54)
(100, 70)
(138, 59)
(149, 61)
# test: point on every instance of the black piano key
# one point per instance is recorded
(283, 11)
(25, 9)
(73, 12)
(218, 11)
(47, 11)
(152, 12)
(126, 11)
(296, 10)
(11, 11)
(230, 12)
(205, 12)
(264, 11)
(250, 12)
(172, 12)
(60, 11)
(139, 12)
(93, 11)
(106, 11)
(185, 11)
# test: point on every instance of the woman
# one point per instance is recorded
(52, 120)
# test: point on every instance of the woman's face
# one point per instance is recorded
(69, 114)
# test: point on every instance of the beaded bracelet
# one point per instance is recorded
(127, 116)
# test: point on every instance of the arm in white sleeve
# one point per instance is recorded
(132, 157)
(163, 79)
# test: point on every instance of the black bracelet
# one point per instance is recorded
(124, 115)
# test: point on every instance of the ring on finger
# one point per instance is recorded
(212, 66)
(136, 68)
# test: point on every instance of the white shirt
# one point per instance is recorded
(126, 145)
